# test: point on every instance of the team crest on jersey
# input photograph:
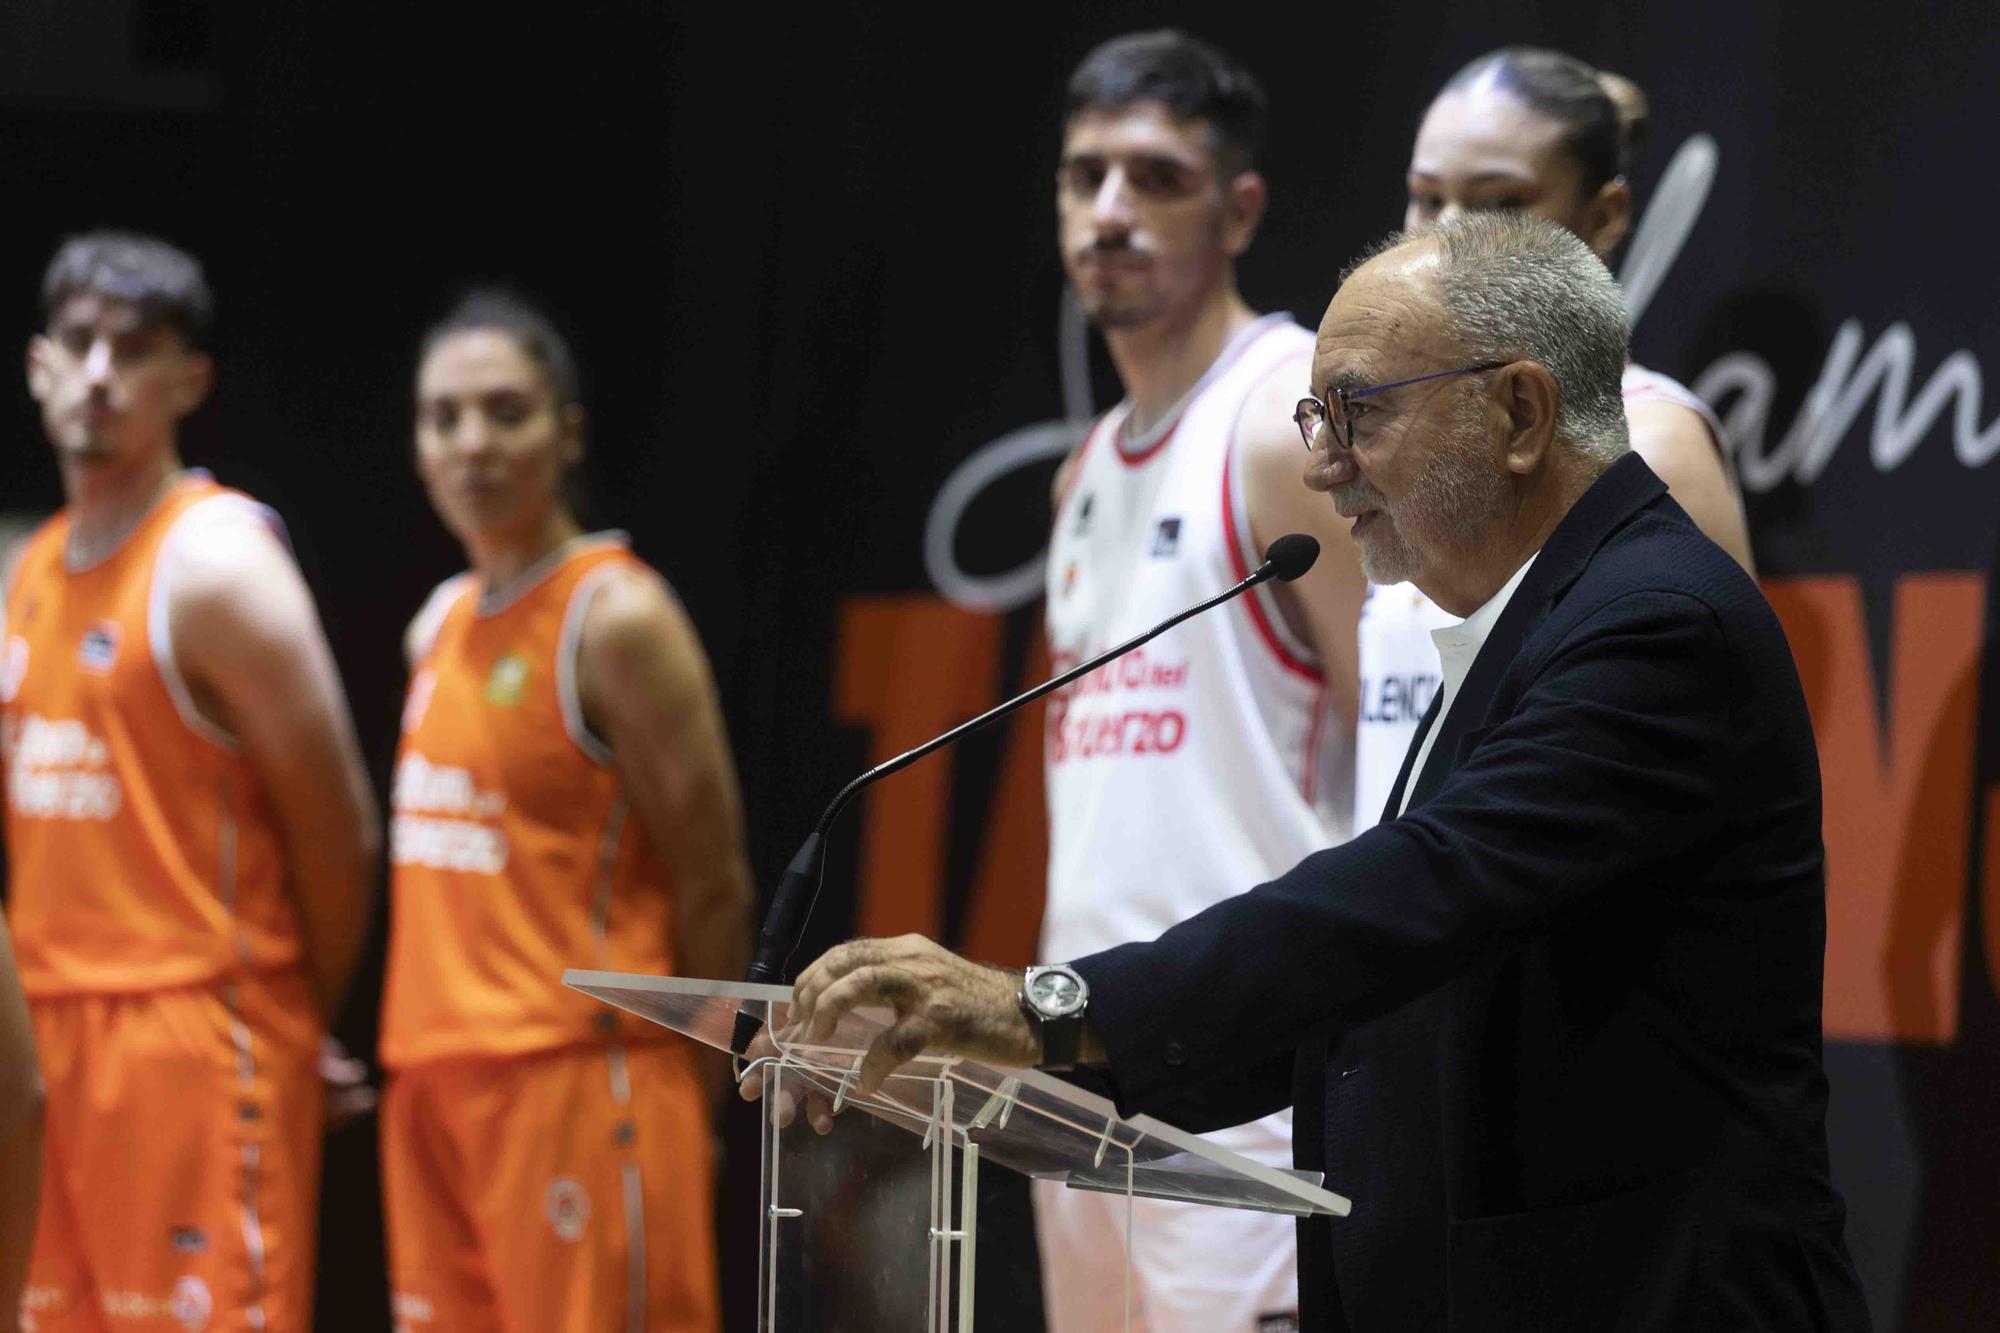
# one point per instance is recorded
(98, 652)
(1069, 577)
(188, 1240)
(191, 1303)
(13, 668)
(508, 681)
(568, 1207)
(1167, 537)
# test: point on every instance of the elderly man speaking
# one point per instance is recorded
(1555, 1025)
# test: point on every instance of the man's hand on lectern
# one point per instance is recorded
(750, 1087)
(943, 1005)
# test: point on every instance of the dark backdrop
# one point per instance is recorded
(808, 264)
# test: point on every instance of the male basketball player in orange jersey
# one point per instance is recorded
(190, 834)
(564, 797)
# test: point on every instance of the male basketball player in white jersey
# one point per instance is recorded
(1218, 755)
(1542, 132)
(190, 834)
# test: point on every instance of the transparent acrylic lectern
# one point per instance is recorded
(876, 1226)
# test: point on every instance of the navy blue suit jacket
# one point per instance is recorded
(1556, 1030)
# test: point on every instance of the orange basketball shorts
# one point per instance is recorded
(560, 1192)
(180, 1179)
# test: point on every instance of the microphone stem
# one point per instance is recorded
(793, 902)
(902, 761)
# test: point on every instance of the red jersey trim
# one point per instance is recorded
(1076, 461)
(1147, 454)
(1286, 658)
(1230, 356)
(1315, 733)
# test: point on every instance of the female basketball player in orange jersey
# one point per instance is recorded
(563, 797)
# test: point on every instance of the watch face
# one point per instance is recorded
(1055, 993)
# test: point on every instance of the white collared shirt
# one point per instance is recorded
(1457, 646)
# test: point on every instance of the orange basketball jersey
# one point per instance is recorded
(141, 848)
(513, 854)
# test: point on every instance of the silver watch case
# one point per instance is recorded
(1054, 992)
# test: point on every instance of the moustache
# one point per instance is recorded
(1355, 498)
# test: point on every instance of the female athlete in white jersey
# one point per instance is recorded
(1542, 132)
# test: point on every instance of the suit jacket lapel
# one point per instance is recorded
(1523, 610)
(1625, 487)
(1395, 805)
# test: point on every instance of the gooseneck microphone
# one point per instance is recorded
(1285, 559)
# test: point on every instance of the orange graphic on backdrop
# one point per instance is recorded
(909, 668)
(1898, 791)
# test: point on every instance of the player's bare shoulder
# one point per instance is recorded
(634, 622)
(1265, 426)
(421, 633)
(226, 560)
(1676, 442)
(1273, 459)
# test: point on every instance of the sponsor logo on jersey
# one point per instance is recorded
(508, 681)
(56, 770)
(1069, 578)
(1085, 721)
(191, 1303)
(1398, 698)
(440, 819)
(13, 668)
(1167, 537)
(1083, 515)
(99, 650)
(568, 1207)
(188, 1240)
(1278, 1323)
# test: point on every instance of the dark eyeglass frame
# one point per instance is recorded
(1311, 411)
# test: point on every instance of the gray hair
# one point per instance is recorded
(1514, 287)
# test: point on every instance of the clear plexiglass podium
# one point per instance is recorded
(877, 1224)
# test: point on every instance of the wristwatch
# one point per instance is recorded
(1054, 999)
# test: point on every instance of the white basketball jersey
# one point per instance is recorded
(1399, 661)
(1207, 761)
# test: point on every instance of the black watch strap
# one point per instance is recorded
(1062, 1041)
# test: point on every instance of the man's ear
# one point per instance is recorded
(1246, 196)
(573, 421)
(1528, 394)
(197, 377)
(1608, 217)
(40, 382)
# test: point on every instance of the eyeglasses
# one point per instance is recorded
(1311, 414)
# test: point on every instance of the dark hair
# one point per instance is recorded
(1192, 79)
(1603, 115)
(165, 283)
(503, 312)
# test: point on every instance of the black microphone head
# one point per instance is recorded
(1292, 555)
